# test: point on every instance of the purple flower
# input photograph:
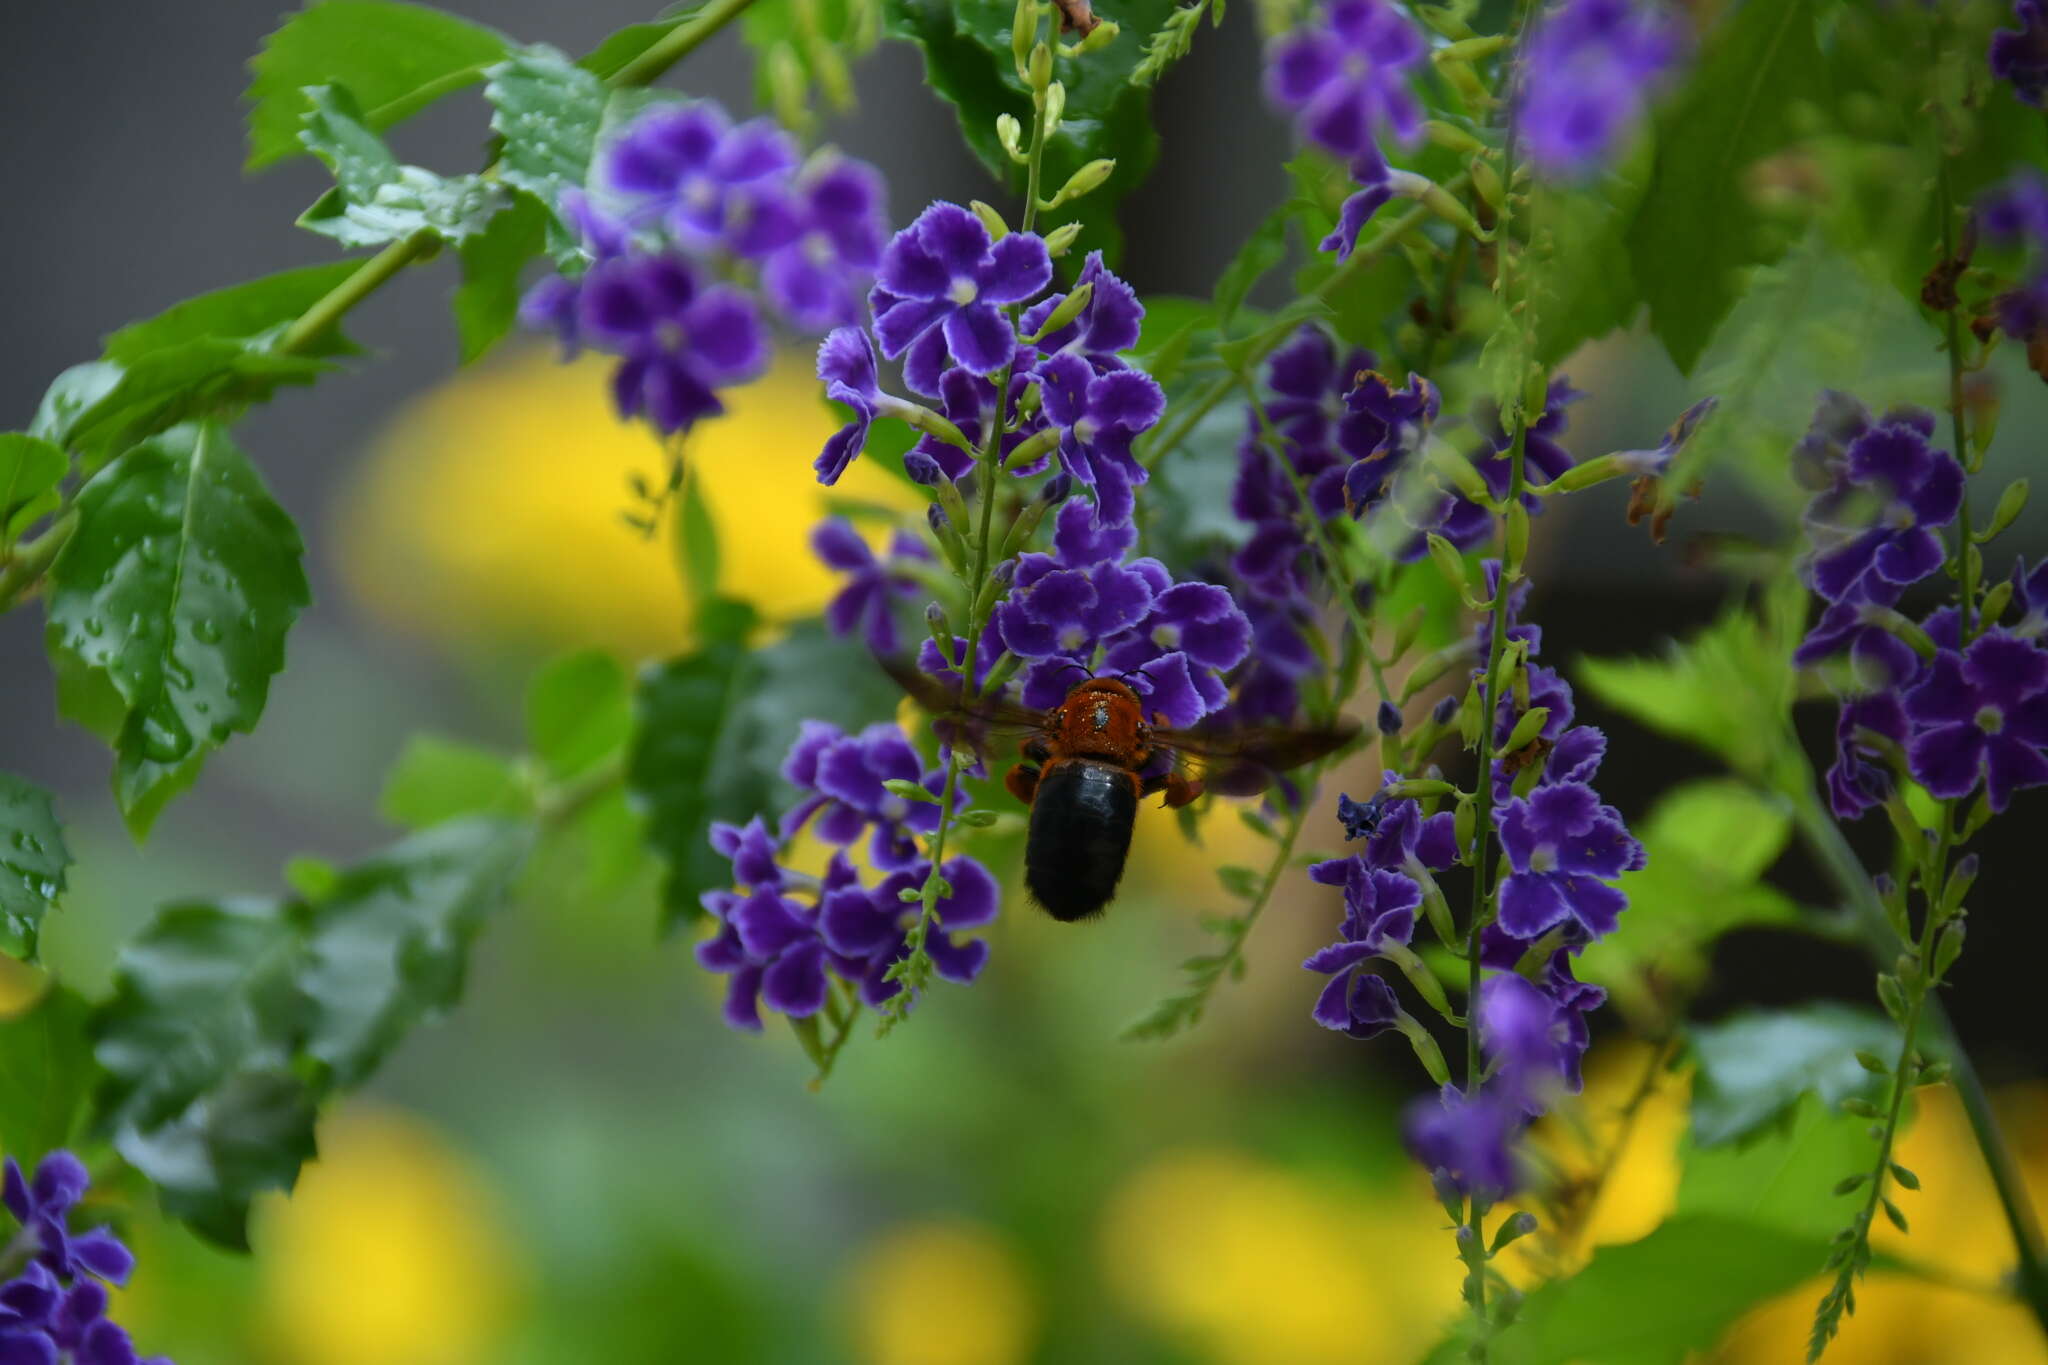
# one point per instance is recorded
(865, 602)
(1851, 627)
(685, 165)
(1656, 461)
(1379, 911)
(751, 850)
(2030, 595)
(846, 364)
(1838, 419)
(1065, 613)
(1588, 69)
(1406, 840)
(2016, 211)
(1563, 847)
(43, 1208)
(969, 403)
(845, 774)
(870, 927)
(1982, 712)
(1345, 77)
(1269, 683)
(768, 943)
(1469, 1139)
(679, 339)
(1108, 323)
(1375, 187)
(2023, 310)
(1859, 778)
(1524, 1033)
(1200, 620)
(817, 278)
(940, 286)
(1099, 415)
(1543, 457)
(2021, 55)
(1382, 427)
(1891, 469)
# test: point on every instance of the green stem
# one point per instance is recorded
(367, 279)
(678, 43)
(31, 560)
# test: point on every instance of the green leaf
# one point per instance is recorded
(579, 712)
(1654, 1301)
(174, 593)
(548, 111)
(1709, 843)
(197, 1043)
(389, 945)
(33, 858)
(622, 46)
(229, 1022)
(1264, 249)
(397, 58)
(1729, 689)
(966, 45)
(1698, 226)
(1783, 1176)
(437, 779)
(712, 727)
(1584, 284)
(486, 303)
(192, 379)
(1753, 1067)
(46, 1072)
(248, 309)
(375, 199)
(30, 467)
(71, 394)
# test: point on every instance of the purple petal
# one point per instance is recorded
(767, 925)
(953, 237)
(848, 357)
(1942, 695)
(742, 1010)
(1907, 556)
(902, 320)
(26, 1346)
(957, 960)
(1531, 904)
(1337, 957)
(1019, 268)
(795, 983)
(973, 902)
(2005, 670)
(980, 337)
(101, 1252)
(1947, 758)
(1300, 65)
(2010, 765)
(60, 1180)
(840, 546)
(726, 335)
(1129, 398)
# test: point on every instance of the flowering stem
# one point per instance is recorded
(1967, 594)
(678, 43)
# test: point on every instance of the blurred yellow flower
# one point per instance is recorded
(389, 1250)
(937, 1294)
(1254, 1264)
(488, 512)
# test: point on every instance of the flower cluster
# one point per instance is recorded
(2021, 55)
(1962, 711)
(784, 935)
(56, 1306)
(1564, 849)
(1589, 68)
(694, 219)
(2016, 213)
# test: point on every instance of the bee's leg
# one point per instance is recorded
(1180, 789)
(1022, 782)
(1035, 749)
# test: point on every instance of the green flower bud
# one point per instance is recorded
(990, 219)
(1061, 239)
(2011, 503)
(1023, 33)
(1040, 74)
(1089, 178)
(1010, 134)
(1069, 309)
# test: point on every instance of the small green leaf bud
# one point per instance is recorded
(1089, 178)
(1055, 108)
(1872, 1063)
(908, 790)
(976, 819)
(2011, 503)
(1061, 239)
(1040, 74)
(1010, 134)
(1023, 33)
(1486, 181)
(1518, 533)
(1996, 601)
(990, 219)
(1905, 1176)
(1448, 562)
(1069, 309)
(1518, 1225)
(1948, 946)
(1849, 1184)
(1527, 728)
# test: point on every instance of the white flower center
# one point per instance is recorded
(1166, 635)
(894, 808)
(1544, 859)
(1990, 720)
(700, 192)
(963, 291)
(1072, 638)
(818, 249)
(1085, 429)
(671, 337)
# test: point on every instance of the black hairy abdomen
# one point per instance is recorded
(1081, 818)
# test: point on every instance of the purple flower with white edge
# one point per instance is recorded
(1107, 323)
(2020, 55)
(1860, 778)
(1893, 471)
(940, 289)
(1523, 1033)
(1852, 627)
(1405, 840)
(1981, 714)
(1543, 457)
(1377, 183)
(1589, 68)
(43, 1208)
(1379, 913)
(1345, 77)
(1838, 419)
(1563, 848)
(969, 402)
(845, 774)
(1200, 620)
(2030, 595)
(1099, 415)
(870, 927)
(846, 364)
(866, 602)
(1469, 1139)
(818, 278)
(681, 164)
(680, 340)
(1382, 427)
